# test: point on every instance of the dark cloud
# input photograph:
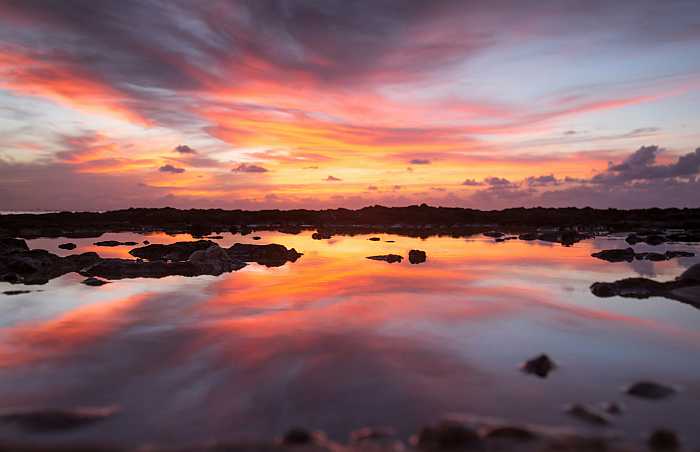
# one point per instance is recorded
(641, 166)
(472, 183)
(498, 182)
(171, 169)
(541, 181)
(184, 149)
(420, 162)
(249, 168)
(332, 179)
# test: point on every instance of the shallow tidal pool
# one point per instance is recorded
(336, 342)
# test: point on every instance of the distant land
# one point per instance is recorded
(416, 220)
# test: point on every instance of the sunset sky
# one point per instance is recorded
(256, 104)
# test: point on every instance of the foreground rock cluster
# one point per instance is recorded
(19, 264)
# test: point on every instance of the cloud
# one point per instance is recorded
(641, 165)
(171, 169)
(498, 182)
(472, 183)
(184, 149)
(420, 162)
(541, 181)
(373, 188)
(249, 168)
(332, 179)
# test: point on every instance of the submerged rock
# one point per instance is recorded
(618, 255)
(588, 415)
(650, 390)
(179, 251)
(54, 420)
(494, 234)
(448, 435)
(95, 282)
(113, 243)
(272, 255)
(664, 440)
(390, 258)
(67, 246)
(416, 256)
(16, 292)
(297, 436)
(541, 366)
(528, 236)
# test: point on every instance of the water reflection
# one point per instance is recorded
(336, 342)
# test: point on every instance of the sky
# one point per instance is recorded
(339, 103)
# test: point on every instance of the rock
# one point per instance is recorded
(448, 435)
(617, 255)
(588, 415)
(318, 235)
(650, 390)
(297, 436)
(16, 292)
(390, 241)
(613, 408)
(109, 243)
(691, 275)
(528, 236)
(374, 239)
(215, 237)
(655, 239)
(672, 254)
(656, 257)
(95, 282)
(628, 287)
(179, 251)
(541, 366)
(633, 239)
(272, 255)
(513, 433)
(664, 440)
(257, 237)
(67, 246)
(40, 266)
(494, 234)
(390, 258)
(146, 242)
(416, 256)
(8, 246)
(54, 420)
(215, 261)
(684, 237)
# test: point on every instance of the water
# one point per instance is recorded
(337, 342)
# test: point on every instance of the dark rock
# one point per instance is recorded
(40, 266)
(95, 282)
(655, 239)
(691, 275)
(613, 408)
(529, 236)
(297, 437)
(672, 254)
(684, 237)
(374, 239)
(448, 435)
(650, 390)
(53, 421)
(272, 255)
(633, 239)
(146, 242)
(67, 246)
(319, 235)
(109, 243)
(617, 255)
(629, 287)
(655, 257)
(217, 237)
(8, 246)
(390, 258)
(215, 261)
(416, 256)
(512, 433)
(494, 234)
(664, 440)
(588, 415)
(179, 251)
(257, 237)
(541, 366)
(390, 241)
(16, 292)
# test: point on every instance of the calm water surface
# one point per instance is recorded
(337, 342)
